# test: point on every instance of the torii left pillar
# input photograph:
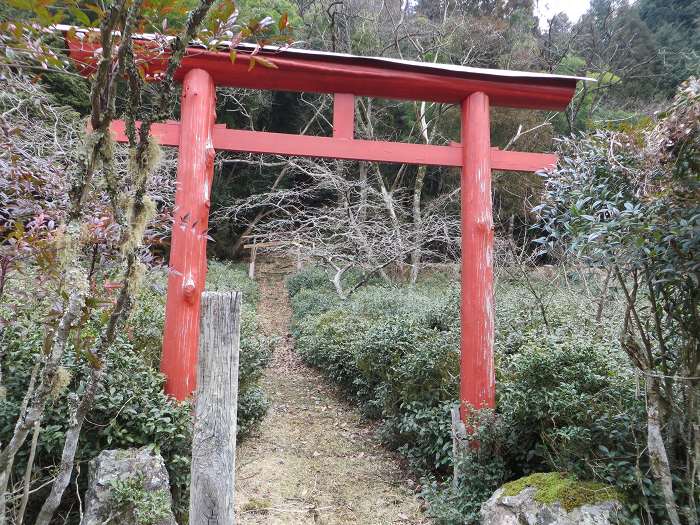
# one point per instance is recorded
(188, 257)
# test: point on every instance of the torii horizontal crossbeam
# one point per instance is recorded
(168, 134)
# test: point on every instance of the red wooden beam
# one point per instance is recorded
(477, 380)
(521, 160)
(342, 148)
(337, 148)
(188, 252)
(343, 116)
(317, 72)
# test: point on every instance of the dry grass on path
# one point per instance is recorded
(313, 460)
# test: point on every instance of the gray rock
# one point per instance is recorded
(523, 509)
(128, 487)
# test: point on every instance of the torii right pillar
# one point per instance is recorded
(477, 376)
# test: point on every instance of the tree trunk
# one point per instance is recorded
(417, 222)
(364, 170)
(693, 449)
(338, 285)
(657, 450)
(70, 446)
(251, 266)
(28, 474)
(417, 194)
(337, 282)
(603, 297)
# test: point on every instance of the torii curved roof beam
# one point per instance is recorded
(303, 70)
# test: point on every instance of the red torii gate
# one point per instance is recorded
(344, 76)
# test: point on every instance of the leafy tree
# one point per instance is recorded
(277, 9)
(675, 25)
(614, 46)
(630, 201)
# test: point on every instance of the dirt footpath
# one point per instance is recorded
(313, 460)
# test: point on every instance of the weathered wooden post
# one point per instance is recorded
(214, 439)
(460, 442)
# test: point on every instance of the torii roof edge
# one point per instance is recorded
(303, 70)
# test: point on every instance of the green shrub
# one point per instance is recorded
(421, 433)
(482, 470)
(571, 405)
(226, 276)
(566, 399)
(310, 303)
(145, 324)
(312, 278)
(131, 409)
(252, 407)
(554, 389)
(328, 341)
(316, 278)
(140, 506)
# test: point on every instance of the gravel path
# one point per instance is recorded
(313, 460)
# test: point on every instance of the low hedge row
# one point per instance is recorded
(566, 400)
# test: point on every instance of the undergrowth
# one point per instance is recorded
(131, 409)
(566, 398)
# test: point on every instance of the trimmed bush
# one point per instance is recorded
(565, 396)
(312, 278)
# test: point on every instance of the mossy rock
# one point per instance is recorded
(557, 487)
